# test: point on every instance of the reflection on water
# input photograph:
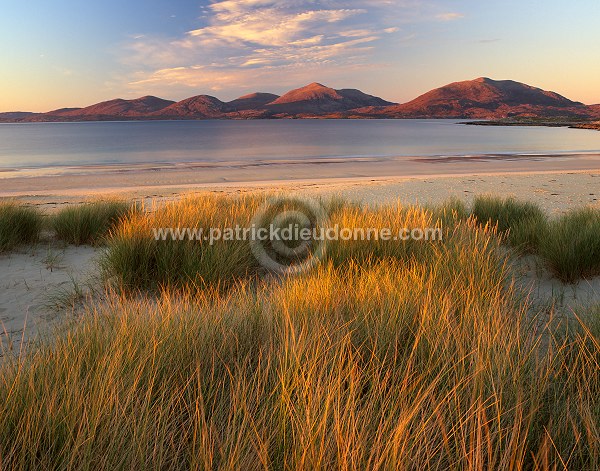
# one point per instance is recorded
(223, 142)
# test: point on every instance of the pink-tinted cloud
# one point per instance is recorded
(245, 39)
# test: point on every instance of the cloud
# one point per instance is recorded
(215, 79)
(449, 16)
(239, 41)
(269, 26)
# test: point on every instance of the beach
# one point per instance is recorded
(32, 281)
(556, 182)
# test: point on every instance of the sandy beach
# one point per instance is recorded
(33, 278)
(556, 183)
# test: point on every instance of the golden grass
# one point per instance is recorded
(136, 260)
(406, 357)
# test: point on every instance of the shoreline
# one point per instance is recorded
(555, 191)
(590, 124)
(348, 160)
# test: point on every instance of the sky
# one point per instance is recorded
(73, 53)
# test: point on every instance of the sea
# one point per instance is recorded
(55, 145)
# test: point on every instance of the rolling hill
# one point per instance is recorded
(318, 99)
(481, 98)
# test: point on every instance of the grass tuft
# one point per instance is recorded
(137, 259)
(88, 223)
(572, 245)
(19, 224)
(524, 223)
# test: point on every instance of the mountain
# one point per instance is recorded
(317, 99)
(484, 98)
(107, 110)
(196, 107)
(16, 115)
(594, 110)
(251, 102)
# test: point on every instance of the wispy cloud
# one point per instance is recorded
(267, 26)
(278, 41)
(449, 16)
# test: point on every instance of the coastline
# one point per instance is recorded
(589, 124)
(556, 185)
(30, 286)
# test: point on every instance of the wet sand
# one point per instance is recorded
(528, 176)
(556, 192)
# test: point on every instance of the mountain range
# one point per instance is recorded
(482, 98)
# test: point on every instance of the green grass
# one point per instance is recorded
(524, 223)
(568, 244)
(572, 245)
(88, 223)
(19, 225)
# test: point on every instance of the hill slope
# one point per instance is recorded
(484, 98)
(318, 99)
(16, 115)
(196, 107)
(108, 110)
(251, 102)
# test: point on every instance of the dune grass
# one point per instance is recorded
(388, 355)
(407, 359)
(524, 223)
(19, 224)
(136, 259)
(572, 245)
(569, 244)
(88, 223)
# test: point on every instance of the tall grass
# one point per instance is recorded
(524, 223)
(88, 223)
(572, 245)
(19, 224)
(424, 362)
(136, 259)
(368, 248)
(569, 244)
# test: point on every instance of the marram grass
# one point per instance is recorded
(572, 246)
(19, 224)
(524, 223)
(88, 223)
(569, 244)
(418, 358)
(135, 259)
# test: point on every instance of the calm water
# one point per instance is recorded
(62, 144)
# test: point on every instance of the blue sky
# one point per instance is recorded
(72, 53)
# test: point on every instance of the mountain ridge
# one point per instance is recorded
(481, 98)
(484, 98)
